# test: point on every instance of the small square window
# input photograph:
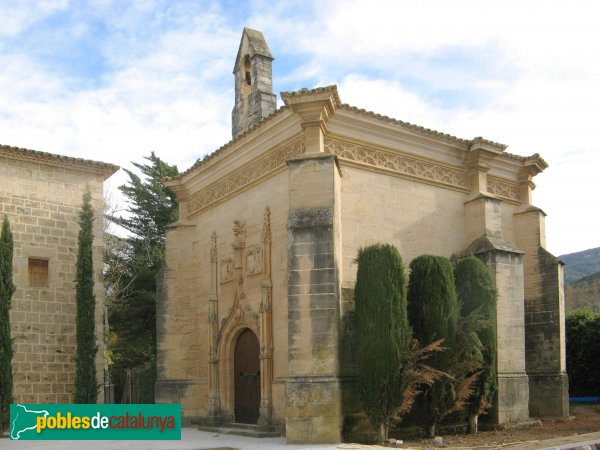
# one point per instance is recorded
(38, 272)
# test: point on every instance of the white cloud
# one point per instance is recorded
(19, 15)
(521, 73)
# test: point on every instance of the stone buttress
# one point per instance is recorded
(313, 391)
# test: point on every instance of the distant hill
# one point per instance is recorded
(584, 293)
(581, 264)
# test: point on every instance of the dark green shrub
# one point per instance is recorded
(383, 335)
(583, 353)
(477, 296)
(433, 312)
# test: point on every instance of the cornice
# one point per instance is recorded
(51, 159)
(466, 144)
(290, 97)
(399, 164)
(409, 166)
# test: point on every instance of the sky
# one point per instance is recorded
(113, 80)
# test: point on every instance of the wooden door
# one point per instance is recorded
(246, 368)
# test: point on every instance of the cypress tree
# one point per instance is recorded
(383, 335)
(132, 263)
(7, 289)
(433, 311)
(477, 295)
(86, 387)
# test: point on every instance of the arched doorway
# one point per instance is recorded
(246, 371)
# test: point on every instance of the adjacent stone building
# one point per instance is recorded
(254, 321)
(42, 195)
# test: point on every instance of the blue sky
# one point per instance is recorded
(116, 79)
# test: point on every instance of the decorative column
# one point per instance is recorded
(313, 389)
(544, 305)
(266, 330)
(214, 407)
(483, 218)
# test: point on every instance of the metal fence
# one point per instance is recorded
(130, 385)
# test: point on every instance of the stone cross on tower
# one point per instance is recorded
(254, 98)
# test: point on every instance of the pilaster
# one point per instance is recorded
(314, 108)
(505, 263)
(265, 420)
(214, 407)
(313, 392)
(483, 221)
(544, 318)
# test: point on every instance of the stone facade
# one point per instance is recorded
(333, 178)
(42, 195)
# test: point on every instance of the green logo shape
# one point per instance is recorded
(95, 422)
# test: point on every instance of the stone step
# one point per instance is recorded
(245, 426)
(239, 429)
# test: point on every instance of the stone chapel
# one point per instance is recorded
(254, 321)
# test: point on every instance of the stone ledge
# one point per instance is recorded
(314, 379)
(310, 218)
(487, 244)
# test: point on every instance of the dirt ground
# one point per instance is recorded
(583, 419)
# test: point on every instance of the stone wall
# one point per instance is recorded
(42, 203)
(383, 208)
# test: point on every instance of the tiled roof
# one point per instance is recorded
(527, 158)
(58, 160)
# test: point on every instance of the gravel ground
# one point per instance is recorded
(565, 433)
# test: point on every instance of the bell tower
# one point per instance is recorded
(254, 98)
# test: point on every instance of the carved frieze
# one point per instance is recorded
(245, 175)
(503, 189)
(397, 163)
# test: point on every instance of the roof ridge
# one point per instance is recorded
(403, 123)
(225, 146)
(61, 158)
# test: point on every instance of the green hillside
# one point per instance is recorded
(584, 293)
(581, 264)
